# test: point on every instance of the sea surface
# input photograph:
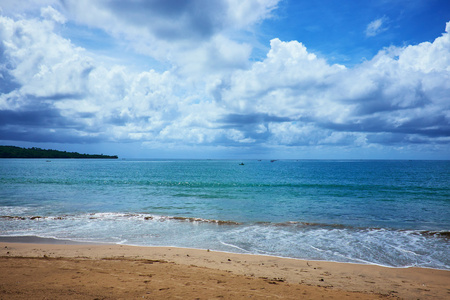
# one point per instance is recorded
(390, 213)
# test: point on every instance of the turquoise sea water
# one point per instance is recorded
(392, 213)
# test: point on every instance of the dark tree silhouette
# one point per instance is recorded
(17, 152)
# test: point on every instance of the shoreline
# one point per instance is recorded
(33, 239)
(289, 274)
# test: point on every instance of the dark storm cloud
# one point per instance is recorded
(379, 102)
(379, 130)
(432, 126)
(59, 96)
(46, 126)
(198, 19)
(420, 130)
(43, 135)
(35, 118)
(43, 123)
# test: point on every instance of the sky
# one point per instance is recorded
(256, 79)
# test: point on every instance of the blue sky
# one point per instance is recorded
(337, 29)
(227, 78)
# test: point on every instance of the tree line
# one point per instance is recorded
(18, 152)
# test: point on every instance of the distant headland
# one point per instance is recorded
(17, 152)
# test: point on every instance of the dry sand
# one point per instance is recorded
(86, 271)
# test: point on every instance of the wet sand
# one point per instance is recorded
(55, 269)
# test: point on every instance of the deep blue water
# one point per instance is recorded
(394, 213)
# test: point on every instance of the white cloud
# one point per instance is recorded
(428, 57)
(400, 93)
(52, 14)
(193, 35)
(212, 95)
(39, 60)
(287, 83)
(218, 55)
(376, 27)
(94, 100)
(170, 19)
(244, 13)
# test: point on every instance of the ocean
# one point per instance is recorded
(390, 213)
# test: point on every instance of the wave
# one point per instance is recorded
(441, 234)
(304, 240)
(119, 216)
(192, 220)
(299, 225)
(295, 225)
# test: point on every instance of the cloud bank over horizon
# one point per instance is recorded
(201, 88)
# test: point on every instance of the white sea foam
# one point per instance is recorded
(373, 246)
(14, 210)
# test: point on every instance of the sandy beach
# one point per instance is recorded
(54, 269)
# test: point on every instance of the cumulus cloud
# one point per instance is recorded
(53, 84)
(401, 92)
(193, 35)
(52, 90)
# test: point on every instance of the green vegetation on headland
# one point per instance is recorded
(17, 152)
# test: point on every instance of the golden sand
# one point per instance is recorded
(58, 271)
